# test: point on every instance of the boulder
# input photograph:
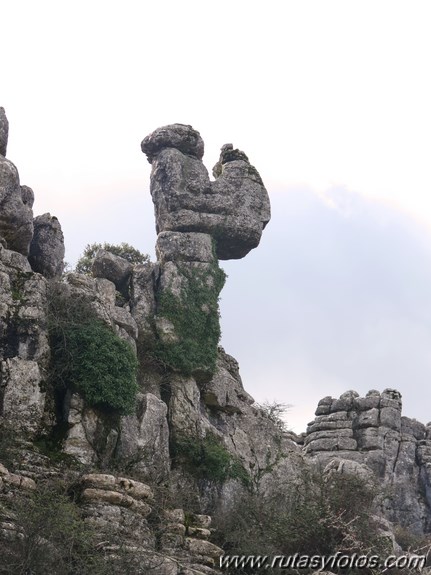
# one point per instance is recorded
(180, 136)
(47, 247)
(16, 216)
(113, 268)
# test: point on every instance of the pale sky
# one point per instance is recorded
(331, 101)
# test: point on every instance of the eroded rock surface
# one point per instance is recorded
(16, 216)
(113, 268)
(371, 432)
(47, 247)
(234, 209)
(24, 346)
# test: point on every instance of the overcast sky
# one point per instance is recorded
(331, 102)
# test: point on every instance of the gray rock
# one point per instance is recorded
(143, 444)
(184, 407)
(27, 195)
(337, 420)
(328, 434)
(113, 268)
(365, 403)
(4, 130)
(369, 418)
(345, 402)
(391, 398)
(369, 438)
(47, 247)
(413, 427)
(16, 216)
(23, 333)
(189, 247)
(390, 417)
(21, 391)
(143, 301)
(233, 209)
(324, 406)
(335, 443)
(180, 136)
(349, 467)
(225, 392)
(123, 318)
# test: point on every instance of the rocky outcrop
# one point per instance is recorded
(24, 346)
(120, 507)
(193, 432)
(113, 268)
(371, 433)
(16, 216)
(4, 130)
(233, 209)
(47, 247)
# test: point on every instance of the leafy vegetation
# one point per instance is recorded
(53, 538)
(207, 458)
(195, 318)
(89, 358)
(123, 250)
(317, 515)
(99, 365)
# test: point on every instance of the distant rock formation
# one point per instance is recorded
(372, 432)
(234, 209)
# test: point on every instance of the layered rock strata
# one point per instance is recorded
(372, 432)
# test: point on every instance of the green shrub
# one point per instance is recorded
(195, 317)
(96, 363)
(207, 458)
(123, 250)
(53, 539)
(315, 515)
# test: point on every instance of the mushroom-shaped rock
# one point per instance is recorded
(16, 216)
(4, 129)
(234, 209)
(47, 247)
(180, 136)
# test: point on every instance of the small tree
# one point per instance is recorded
(123, 250)
(275, 412)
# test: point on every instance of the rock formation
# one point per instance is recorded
(195, 438)
(16, 216)
(371, 432)
(47, 247)
(234, 209)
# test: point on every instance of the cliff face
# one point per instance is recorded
(193, 426)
